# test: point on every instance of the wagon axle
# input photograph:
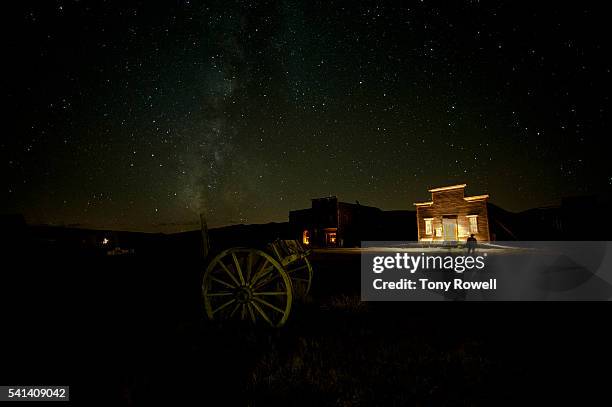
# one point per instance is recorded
(244, 294)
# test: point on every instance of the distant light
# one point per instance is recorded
(105, 241)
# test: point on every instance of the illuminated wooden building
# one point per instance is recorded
(452, 216)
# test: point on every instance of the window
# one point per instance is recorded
(306, 237)
(473, 221)
(428, 226)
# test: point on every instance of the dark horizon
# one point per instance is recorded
(132, 116)
(194, 226)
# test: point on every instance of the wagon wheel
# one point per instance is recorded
(300, 272)
(247, 284)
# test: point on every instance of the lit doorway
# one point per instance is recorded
(449, 229)
(330, 238)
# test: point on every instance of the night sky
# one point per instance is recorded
(138, 116)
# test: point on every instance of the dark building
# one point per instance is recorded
(331, 223)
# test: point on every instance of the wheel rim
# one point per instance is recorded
(300, 273)
(247, 284)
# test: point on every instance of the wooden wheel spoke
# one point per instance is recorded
(297, 269)
(300, 279)
(235, 309)
(262, 313)
(265, 282)
(251, 313)
(266, 303)
(249, 267)
(228, 272)
(224, 305)
(262, 277)
(270, 293)
(260, 272)
(243, 312)
(225, 283)
(219, 294)
(238, 269)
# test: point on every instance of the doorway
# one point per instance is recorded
(449, 228)
(330, 238)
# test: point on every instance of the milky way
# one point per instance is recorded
(142, 116)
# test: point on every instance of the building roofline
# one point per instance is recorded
(458, 186)
(330, 197)
(476, 197)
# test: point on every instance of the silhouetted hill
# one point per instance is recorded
(255, 235)
(575, 218)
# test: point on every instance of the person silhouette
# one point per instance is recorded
(471, 244)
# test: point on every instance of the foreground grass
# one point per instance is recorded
(350, 356)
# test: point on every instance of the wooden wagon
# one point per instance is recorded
(255, 285)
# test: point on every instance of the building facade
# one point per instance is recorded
(331, 223)
(452, 216)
